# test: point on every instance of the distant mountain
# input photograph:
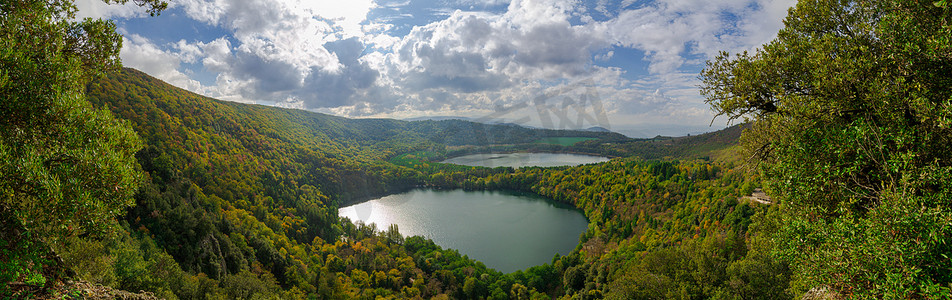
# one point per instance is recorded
(704, 145)
(437, 118)
(648, 131)
(597, 129)
(635, 134)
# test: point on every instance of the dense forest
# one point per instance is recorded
(238, 200)
(247, 211)
(112, 177)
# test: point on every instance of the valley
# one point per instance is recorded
(832, 179)
(263, 185)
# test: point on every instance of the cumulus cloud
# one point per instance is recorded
(98, 9)
(140, 53)
(671, 31)
(347, 15)
(469, 57)
(277, 51)
(330, 89)
(476, 52)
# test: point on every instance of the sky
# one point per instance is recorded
(630, 66)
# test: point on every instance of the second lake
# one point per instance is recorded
(518, 160)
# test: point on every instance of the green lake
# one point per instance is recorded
(507, 231)
(518, 160)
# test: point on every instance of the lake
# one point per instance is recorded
(518, 160)
(507, 231)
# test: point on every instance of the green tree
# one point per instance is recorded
(852, 120)
(519, 292)
(65, 167)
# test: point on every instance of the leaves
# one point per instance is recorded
(860, 92)
(68, 168)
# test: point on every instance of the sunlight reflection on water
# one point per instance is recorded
(506, 231)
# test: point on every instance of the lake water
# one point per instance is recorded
(518, 160)
(507, 231)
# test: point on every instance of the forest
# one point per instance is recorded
(115, 178)
(247, 211)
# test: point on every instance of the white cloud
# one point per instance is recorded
(667, 29)
(346, 14)
(138, 52)
(218, 57)
(98, 9)
(280, 31)
(605, 56)
(277, 48)
(477, 52)
(189, 53)
(326, 55)
(206, 11)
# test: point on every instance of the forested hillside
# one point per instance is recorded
(340, 156)
(112, 177)
(232, 187)
(658, 229)
(239, 200)
(705, 146)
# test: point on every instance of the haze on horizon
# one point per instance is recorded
(630, 66)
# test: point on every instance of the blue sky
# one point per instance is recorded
(627, 65)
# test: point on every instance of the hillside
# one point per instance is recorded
(114, 184)
(239, 200)
(704, 146)
(195, 128)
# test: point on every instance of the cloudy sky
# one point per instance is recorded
(627, 65)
